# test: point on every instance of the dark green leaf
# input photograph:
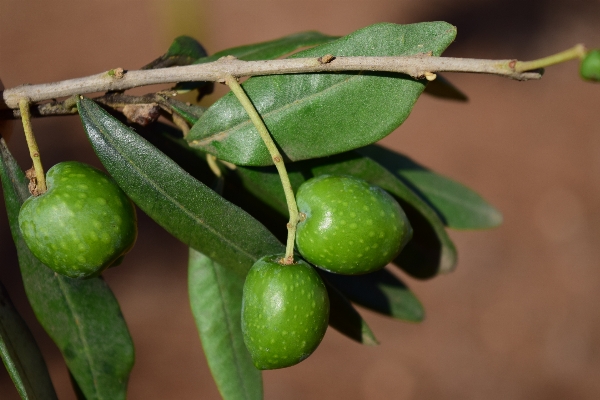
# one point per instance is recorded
(81, 316)
(216, 300)
(314, 115)
(429, 252)
(273, 48)
(21, 354)
(184, 50)
(345, 319)
(185, 207)
(382, 292)
(190, 112)
(457, 205)
(443, 88)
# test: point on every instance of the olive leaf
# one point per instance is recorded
(184, 206)
(382, 292)
(273, 48)
(82, 317)
(457, 205)
(314, 115)
(21, 354)
(184, 50)
(216, 299)
(344, 318)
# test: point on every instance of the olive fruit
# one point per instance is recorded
(589, 68)
(83, 224)
(285, 312)
(349, 226)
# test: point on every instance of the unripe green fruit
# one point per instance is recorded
(351, 227)
(83, 224)
(590, 66)
(285, 312)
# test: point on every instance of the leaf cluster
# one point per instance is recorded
(323, 124)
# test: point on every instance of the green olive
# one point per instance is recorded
(349, 227)
(83, 224)
(285, 312)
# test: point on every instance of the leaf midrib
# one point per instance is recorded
(239, 126)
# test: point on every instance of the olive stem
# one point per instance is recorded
(237, 89)
(575, 52)
(33, 147)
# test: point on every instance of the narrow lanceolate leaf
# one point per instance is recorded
(457, 205)
(382, 292)
(190, 112)
(273, 48)
(185, 207)
(314, 115)
(444, 89)
(429, 252)
(81, 316)
(344, 318)
(21, 354)
(216, 299)
(184, 50)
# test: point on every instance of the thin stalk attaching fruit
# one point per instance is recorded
(256, 119)
(40, 185)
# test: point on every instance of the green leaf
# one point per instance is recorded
(185, 207)
(184, 50)
(314, 115)
(429, 252)
(382, 292)
(273, 48)
(457, 205)
(216, 300)
(21, 354)
(81, 316)
(344, 318)
(444, 89)
(190, 112)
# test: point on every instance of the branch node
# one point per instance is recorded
(326, 59)
(117, 73)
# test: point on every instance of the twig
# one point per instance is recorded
(235, 87)
(40, 180)
(416, 66)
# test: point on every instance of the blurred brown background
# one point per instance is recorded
(518, 319)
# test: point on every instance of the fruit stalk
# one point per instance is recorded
(576, 52)
(33, 147)
(256, 119)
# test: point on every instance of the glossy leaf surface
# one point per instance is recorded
(185, 207)
(273, 48)
(21, 354)
(344, 318)
(457, 205)
(314, 115)
(382, 292)
(216, 299)
(81, 316)
(428, 253)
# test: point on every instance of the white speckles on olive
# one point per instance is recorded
(101, 200)
(369, 207)
(285, 327)
(81, 195)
